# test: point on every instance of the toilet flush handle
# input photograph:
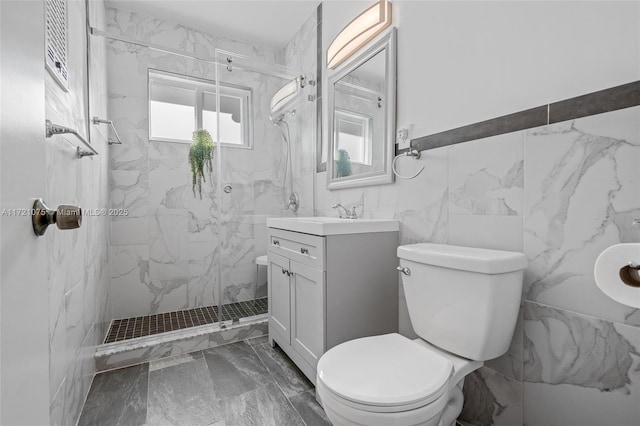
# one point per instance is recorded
(404, 270)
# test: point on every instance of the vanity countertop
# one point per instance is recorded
(324, 225)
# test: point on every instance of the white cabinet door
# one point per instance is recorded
(279, 296)
(307, 311)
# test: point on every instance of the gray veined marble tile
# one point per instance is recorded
(238, 256)
(290, 379)
(427, 224)
(168, 295)
(298, 51)
(168, 251)
(79, 379)
(257, 341)
(80, 345)
(423, 202)
(130, 190)
(202, 225)
(117, 397)
(486, 231)
(56, 407)
(491, 399)
(130, 231)
(182, 394)
(579, 370)
(237, 333)
(309, 409)
(129, 115)
(129, 294)
(581, 198)
(594, 354)
(266, 192)
(483, 183)
(202, 287)
(159, 364)
(235, 369)
(381, 201)
(264, 406)
(169, 175)
(510, 364)
(243, 290)
(58, 351)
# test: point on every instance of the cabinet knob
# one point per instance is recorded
(304, 250)
(276, 242)
(284, 271)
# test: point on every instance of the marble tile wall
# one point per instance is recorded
(561, 194)
(168, 249)
(78, 264)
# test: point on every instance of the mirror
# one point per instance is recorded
(361, 106)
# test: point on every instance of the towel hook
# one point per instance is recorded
(414, 154)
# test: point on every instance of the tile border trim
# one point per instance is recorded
(612, 99)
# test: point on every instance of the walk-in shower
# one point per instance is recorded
(196, 266)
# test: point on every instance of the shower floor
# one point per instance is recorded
(148, 325)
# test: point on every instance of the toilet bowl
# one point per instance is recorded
(391, 380)
(463, 304)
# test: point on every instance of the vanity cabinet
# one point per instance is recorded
(327, 289)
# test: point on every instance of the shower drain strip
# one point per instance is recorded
(131, 328)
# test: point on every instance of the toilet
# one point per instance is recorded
(463, 304)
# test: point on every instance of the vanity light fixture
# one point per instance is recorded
(358, 32)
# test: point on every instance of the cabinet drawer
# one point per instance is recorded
(304, 248)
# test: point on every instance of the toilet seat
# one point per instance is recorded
(384, 374)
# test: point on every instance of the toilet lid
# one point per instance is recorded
(387, 370)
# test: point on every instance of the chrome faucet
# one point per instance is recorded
(340, 206)
(348, 214)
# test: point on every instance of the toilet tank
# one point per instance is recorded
(464, 300)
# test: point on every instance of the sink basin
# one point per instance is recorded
(325, 225)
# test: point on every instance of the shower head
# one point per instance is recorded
(284, 101)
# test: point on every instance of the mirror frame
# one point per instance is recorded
(387, 44)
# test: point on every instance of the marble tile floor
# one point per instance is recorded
(242, 383)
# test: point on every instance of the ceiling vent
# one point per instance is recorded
(56, 41)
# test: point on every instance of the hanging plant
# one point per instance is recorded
(200, 157)
(343, 164)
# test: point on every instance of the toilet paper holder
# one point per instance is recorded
(630, 274)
